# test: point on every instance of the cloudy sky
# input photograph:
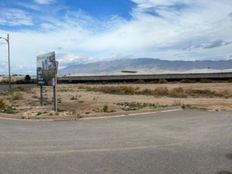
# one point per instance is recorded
(92, 30)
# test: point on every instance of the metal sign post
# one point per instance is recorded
(47, 68)
(41, 95)
(41, 82)
(54, 83)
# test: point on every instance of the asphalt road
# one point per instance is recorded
(181, 142)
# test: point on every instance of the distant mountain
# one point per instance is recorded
(146, 65)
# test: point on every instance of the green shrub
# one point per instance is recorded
(2, 105)
(73, 98)
(60, 110)
(105, 108)
(9, 110)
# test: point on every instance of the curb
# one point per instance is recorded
(92, 118)
(129, 115)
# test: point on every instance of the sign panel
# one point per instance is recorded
(46, 68)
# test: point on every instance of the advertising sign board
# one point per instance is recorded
(46, 69)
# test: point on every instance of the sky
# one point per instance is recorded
(82, 31)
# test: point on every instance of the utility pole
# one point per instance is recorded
(9, 69)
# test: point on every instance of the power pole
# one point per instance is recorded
(9, 69)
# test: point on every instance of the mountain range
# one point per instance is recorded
(146, 66)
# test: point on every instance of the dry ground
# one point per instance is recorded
(81, 100)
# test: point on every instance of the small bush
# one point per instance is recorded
(226, 94)
(139, 81)
(177, 92)
(105, 108)
(59, 100)
(73, 98)
(161, 81)
(2, 105)
(27, 78)
(39, 113)
(184, 106)
(161, 91)
(60, 110)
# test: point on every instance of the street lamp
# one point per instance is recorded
(8, 42)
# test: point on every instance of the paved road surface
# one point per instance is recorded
(181, 142)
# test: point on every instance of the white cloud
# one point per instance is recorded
(14, 17)
(44, 2)
(159, 29)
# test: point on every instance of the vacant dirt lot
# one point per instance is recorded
(81, 100)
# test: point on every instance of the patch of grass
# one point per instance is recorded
(9, 110)
(178, 92)
(159, 91)
(18, 89)
(60, 110)
(177, 103)
(206, 81)
(76, 114)
(201, 93)
(17, 96)
(132, 106)
(66, 90)
(119, 90)
(6, 109)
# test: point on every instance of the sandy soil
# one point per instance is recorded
(74, 101)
